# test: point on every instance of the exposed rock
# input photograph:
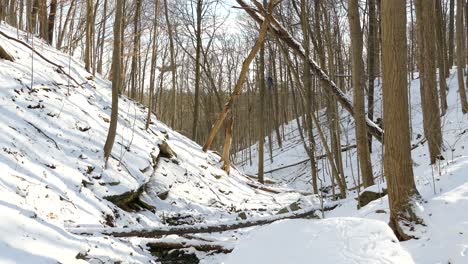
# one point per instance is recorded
(166, 151)
(130, 201)
(242, 215)
(290, 208)
(370, 194)
(178, 219)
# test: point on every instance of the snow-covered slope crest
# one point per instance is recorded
(53, 176)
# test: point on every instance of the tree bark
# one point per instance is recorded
(51, 26)
(429, 99)
(440, 34)
(461, 57)
(358, 87)
(398, 165)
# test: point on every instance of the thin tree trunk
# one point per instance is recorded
(173, 66)
(153, 63)
(197, 70)
(116, 61)
(461, 57)
(89, 32)
(440, 35)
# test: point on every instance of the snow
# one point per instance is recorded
(53, 176)
(443, 187)
(54, 184)
(334, 240)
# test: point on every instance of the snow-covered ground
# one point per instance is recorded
(444, 187)
(54, 184)
(53, 177)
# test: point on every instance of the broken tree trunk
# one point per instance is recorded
(194, 229)
(297, 48)
(227, 146)
(243, 74)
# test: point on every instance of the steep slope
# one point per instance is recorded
(53, 175)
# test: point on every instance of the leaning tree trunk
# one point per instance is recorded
(240, 81)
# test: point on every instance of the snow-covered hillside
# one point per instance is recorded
(53, 177)
(444, 187)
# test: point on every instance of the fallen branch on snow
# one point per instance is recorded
(197, 229)
(59, 67)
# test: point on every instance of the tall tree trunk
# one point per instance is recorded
(116, 65)
(43, 19)
(89, 32)
(261, 111)
(440, 35)
(51, 26)
(371, 40)
(461, 57)
(429, 99)
(397, 159)
(358, 87)
(451, 40)
(102, 42)
(173, 66)
(309, 96)
(34, 12)
(154, 50)
(136, 51)
(197, 70)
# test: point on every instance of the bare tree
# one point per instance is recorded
(116, 65)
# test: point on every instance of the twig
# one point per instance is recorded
(42, 132)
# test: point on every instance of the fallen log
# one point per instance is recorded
(206, 247)
(198, 229)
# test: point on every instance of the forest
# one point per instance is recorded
(234, 131)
